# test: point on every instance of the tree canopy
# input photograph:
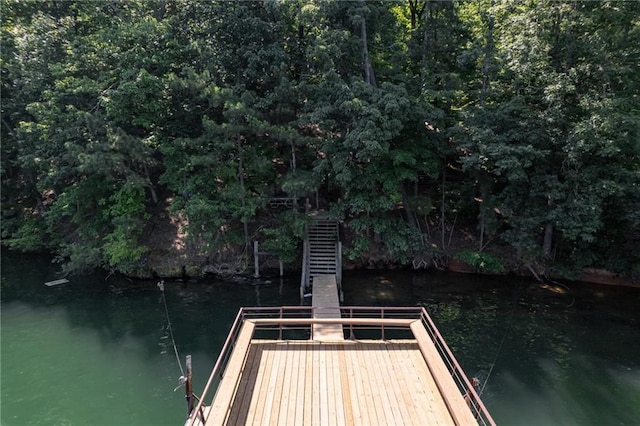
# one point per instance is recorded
(427, 127)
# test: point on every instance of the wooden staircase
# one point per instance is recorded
(322, 253)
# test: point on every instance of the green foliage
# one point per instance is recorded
(284, 240)
(509, 117)
(421, 204)
(281, 244)
(122, 252)
(380, 237)
(300, 182)
(29, 236)
(480, 261)
(79, 258)
(126, 210)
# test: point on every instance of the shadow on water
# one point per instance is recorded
(116, 308)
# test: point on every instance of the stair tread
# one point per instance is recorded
(322, 239)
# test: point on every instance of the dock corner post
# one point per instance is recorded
(189, 387)
(352, 336)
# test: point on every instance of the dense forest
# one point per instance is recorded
(139, 135)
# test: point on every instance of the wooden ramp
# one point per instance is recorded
(326, 305)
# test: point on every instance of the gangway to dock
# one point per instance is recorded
(326, 305)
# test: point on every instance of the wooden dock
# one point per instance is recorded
(326, 305)
(344, 382)
(348, 383)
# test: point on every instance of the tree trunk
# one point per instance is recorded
(160, 10)
(569, 38)
(369, 76)
(425, 40)
(416, 12)
(486, 81)
(486, 61)
(37, 196)
(412, 218)
(242, 191)
(442, 210)
(547, 243)
(154, 195)
(548, 240)
(481, 242)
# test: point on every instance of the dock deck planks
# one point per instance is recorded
(349, 382)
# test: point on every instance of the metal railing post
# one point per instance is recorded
(189, 386)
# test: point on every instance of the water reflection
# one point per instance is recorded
(543, 359)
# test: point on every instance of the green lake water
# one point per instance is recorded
(98, 352)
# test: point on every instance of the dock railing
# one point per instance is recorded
(464, 385)
(358, 322)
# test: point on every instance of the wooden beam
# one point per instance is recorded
(456, 405)
(390, 322)
(231, 376)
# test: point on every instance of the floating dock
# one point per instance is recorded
(56, 282)
(281, 366)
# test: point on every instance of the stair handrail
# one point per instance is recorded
(304, 279)
(339, 263)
